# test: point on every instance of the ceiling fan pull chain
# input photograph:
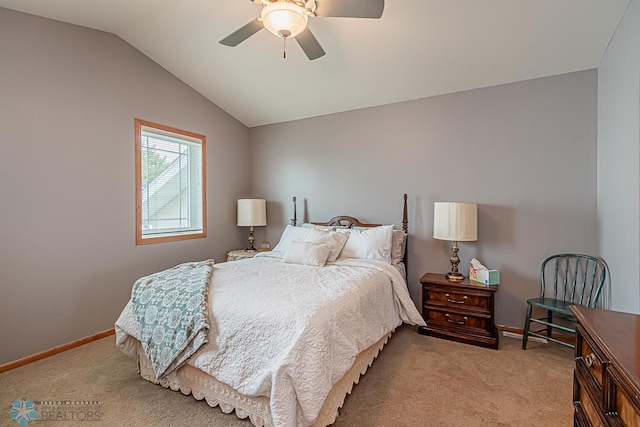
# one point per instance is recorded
(284, 48)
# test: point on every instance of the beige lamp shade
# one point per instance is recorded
(252, 212)
(455, 221)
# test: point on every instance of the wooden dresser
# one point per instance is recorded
(458, 311)
(606, 379)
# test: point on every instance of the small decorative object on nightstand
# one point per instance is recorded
(458, 311)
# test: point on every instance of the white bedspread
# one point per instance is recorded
(291, 331)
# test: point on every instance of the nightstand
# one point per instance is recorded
(239, 254)
(458, 311)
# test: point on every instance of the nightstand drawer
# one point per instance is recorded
(457, 299)
(454, 320)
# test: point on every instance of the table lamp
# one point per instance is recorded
(252, 213)
(455, 222)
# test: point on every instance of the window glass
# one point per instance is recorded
(170, 184)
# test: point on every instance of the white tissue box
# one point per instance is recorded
(487, 277)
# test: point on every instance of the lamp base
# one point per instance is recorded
(454, 276)
(252, 239)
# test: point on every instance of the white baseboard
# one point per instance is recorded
(519, 336)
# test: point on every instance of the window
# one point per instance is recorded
(170, 184)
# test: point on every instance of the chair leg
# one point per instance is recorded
(525, 334)
(550, 320)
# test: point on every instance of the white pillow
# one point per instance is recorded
(398, 246)
(307, 253)
(371, 243)
(335, 241)
(289, 234)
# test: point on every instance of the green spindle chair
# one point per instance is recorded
(577, 280)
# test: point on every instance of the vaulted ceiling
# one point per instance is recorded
(419, 48)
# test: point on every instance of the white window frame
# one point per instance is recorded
(197, 182)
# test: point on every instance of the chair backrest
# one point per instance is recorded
(576, 278)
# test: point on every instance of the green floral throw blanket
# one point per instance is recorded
(171, 308)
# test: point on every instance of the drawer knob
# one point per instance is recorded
(464, 320)
(455, 301)
(590, 360)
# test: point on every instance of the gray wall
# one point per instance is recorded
(525, 152)
(618, 172)
(68, 99)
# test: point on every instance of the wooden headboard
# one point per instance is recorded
(349, 221)
(345, 221)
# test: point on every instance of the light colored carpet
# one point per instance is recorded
(416, 381)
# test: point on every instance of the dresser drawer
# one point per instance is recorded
(590, 362)
(589, 409)
(627, 412)
(624, 408)
(458, 299)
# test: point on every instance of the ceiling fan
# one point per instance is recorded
(289, 18)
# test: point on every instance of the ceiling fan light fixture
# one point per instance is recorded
(284, 19)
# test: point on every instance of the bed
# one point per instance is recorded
(289, 332)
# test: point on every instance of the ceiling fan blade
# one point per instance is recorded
(243, 33)
(350, 8)
(309, 44)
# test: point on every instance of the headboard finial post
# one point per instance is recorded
(294, 220)
(405, 218)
